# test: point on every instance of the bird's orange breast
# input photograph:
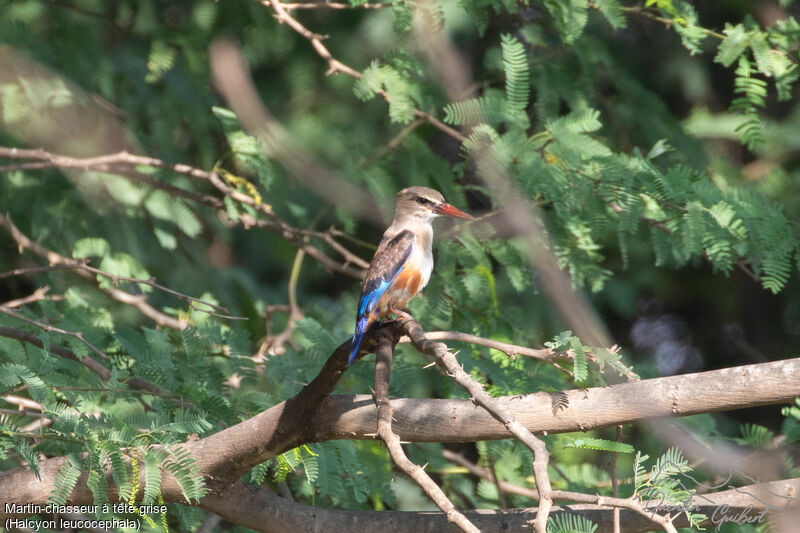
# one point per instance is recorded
(404, 287)
(409, 281)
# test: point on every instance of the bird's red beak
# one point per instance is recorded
(452, 211)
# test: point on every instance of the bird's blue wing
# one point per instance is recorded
(388, 262)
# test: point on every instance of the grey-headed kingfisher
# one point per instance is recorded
(403, 263)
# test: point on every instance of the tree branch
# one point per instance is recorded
(499, 411)
(327, 5)
(87, 361)
(52, 329)
(334, 65)
(134, 300)
(617, 503)
(436, 420)
(314, 415)
(124, 163)
(383, 367)
(267, 512)
(36, 296)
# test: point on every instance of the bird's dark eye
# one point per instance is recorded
(422, 201)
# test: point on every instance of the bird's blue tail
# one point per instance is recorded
(361, 326)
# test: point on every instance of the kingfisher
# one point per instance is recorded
(403, 263)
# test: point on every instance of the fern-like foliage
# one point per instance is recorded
(755, 435)
(65, 481)
(591, 443)
(570, 523)
(612, 11)
(160, 61)
(665, 484)
(180, 463)
(751, 92)
(490, 109)
(517, 74)
(569, 16)
(403, 94)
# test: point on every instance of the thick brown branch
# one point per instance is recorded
(434, 420)
(267, 512)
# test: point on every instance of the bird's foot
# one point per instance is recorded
(401, 315)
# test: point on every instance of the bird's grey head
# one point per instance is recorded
(424, 203)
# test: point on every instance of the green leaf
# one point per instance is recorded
(569, 16)
(65, 481)
(765, 59)
(489, 109)
(580, 365)
(91, 247)
(569, 523)
(590, 443)
(755, 435)
(515, 63)
(160, 61)
(733, 45)
(183, 467)
(612, 11)
(240, 142)
(152, 477)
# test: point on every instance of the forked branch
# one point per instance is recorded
(383, 367)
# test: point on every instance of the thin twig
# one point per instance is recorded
(612, 468)
(124, 163)
(501, 497)
(275, 345)
(621, 503)
(334, 65)
(645, 12)
(36, 269)
(543, 354)
(484, 473)
(511, 488)
(512, 350)
(120, 162)
(540, 454)
(135, 300)
(37, 296)
(383, 366)
(85, 360)
(294, 236)
(47, 327)
(328, 5)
